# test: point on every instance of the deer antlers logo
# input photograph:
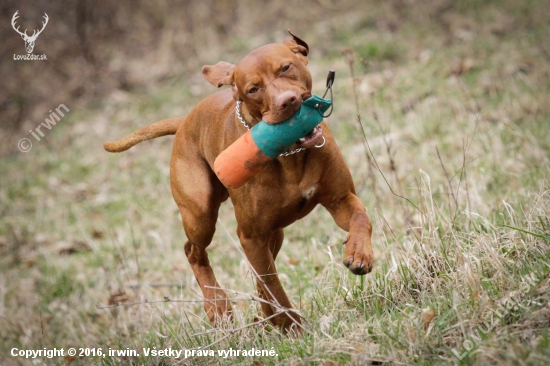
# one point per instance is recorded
(29, 40)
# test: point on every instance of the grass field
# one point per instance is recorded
(454, 172)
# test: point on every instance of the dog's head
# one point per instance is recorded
(271, 81)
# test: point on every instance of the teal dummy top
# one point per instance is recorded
(274, 139)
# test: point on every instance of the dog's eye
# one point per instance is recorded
(253, 90)
(285, 68)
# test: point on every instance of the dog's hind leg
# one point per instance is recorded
(199, 195)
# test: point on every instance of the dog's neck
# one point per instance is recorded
(246, 119)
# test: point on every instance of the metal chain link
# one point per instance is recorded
(241, 119)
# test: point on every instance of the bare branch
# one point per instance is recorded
(166, 299)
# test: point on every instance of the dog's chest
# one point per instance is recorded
(298, 194)
(309, 192)
(281, 194)
(289, 201)
(280, 208)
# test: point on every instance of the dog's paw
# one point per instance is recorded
(358, 256)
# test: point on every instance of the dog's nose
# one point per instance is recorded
(286, 100)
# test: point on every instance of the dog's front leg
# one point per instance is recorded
(350, 214)
(261, 251)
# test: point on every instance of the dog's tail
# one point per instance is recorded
(154, 130)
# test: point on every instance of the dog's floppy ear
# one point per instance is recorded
(297, 45)
(219, 74)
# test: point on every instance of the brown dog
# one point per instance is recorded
(271, 83)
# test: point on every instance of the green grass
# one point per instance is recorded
(81, 227)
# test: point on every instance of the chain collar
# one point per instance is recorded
(288, 153)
